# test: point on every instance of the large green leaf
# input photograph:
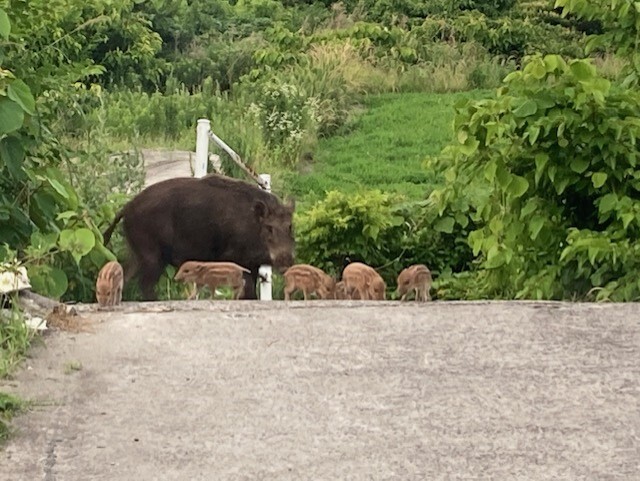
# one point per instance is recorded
(582, 70)
(11, 116)
(541, 160)
(20, 93)
(504, 176)
(48, 281)
(538, 69)
(528, 208)
(525, 109)
(470, 146)
(495, 257)
(78, 242)
(554, 62)
(518, 186)
(41, 244)
(490, 170)
(598, 179)
(5, 25)
(608, 203)
(12, 156)
(579, 165)
(58, 187)
(535, 226)
(445, 225)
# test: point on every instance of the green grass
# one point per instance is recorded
(9, 405)
(15, 339)
(384, 148)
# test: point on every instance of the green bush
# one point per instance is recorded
(344, 226)
(9, 405)
(381, 230)
(15, 338)
(286, 115)
(555, 158)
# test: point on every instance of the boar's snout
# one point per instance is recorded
(281, 261)
(277, 234)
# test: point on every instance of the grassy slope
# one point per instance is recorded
(384, 148)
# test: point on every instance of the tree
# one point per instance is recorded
(43, 219)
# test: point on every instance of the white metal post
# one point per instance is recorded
(202, 148)
(264, 272)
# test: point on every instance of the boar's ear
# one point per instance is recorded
(260, 209)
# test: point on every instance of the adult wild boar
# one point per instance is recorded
(214, 218)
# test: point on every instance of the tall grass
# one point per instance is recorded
(9, 405)
(333, 76)
(610, 66)
(15, 339)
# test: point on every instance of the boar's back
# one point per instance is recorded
(211, 218)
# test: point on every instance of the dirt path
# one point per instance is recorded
(325, 390)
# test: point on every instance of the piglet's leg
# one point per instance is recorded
(194, 292)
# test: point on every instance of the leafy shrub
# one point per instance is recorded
(8, 406)
(342, 226)
(552, 165)
(286, 115)
(620, 30)
(46, 220)
(15, 338)
(381, 230)
(504, 36)
(387, 11)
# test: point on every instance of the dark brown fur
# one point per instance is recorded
(214, 218)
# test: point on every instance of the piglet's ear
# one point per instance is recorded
(260, 209)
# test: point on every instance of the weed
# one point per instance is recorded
(9, 406)
(15, 338)
(72, 366)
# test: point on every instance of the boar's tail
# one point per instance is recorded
(107, 234)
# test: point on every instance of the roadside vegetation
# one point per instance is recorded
(390, 121)
(15, 339)
(9, 406)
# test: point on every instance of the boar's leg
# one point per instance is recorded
(150, 269)
(250, 280)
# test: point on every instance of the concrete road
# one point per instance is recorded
(334, 390)
(166, 164)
